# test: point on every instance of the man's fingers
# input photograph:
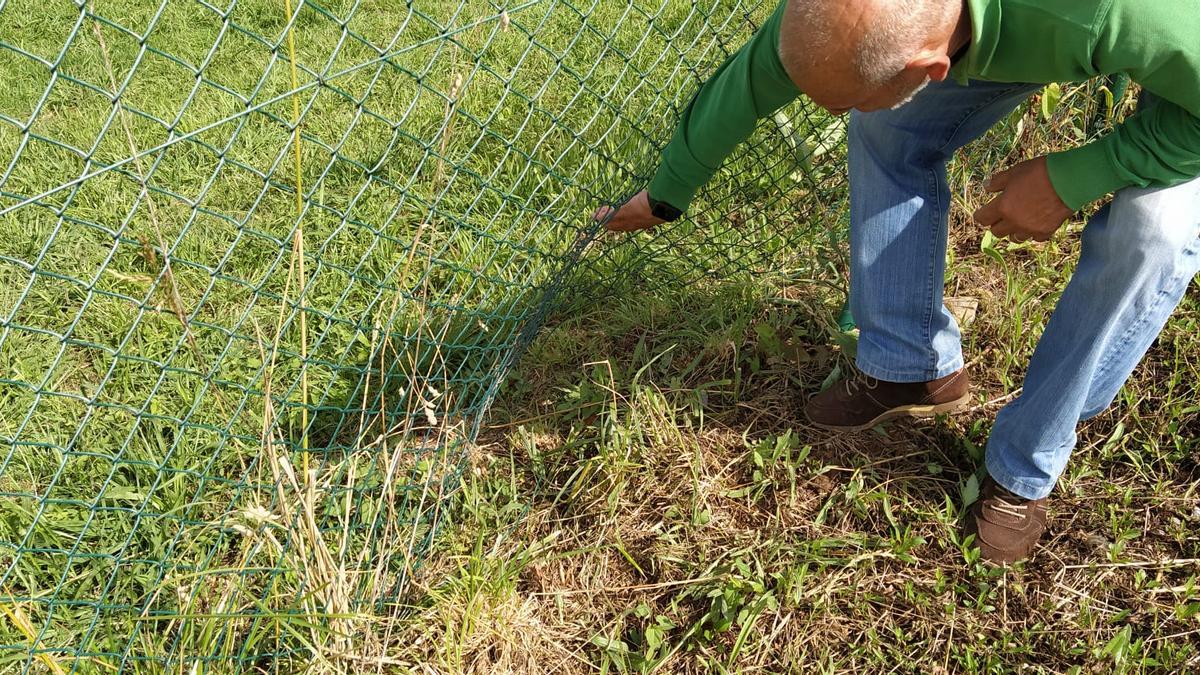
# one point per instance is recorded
(1006, 230)
(988, 214)
(617, 225)
(1002, 229)
(632, 216)
(625, 224)
(998, 182)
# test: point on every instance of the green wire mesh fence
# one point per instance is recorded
(264, 263)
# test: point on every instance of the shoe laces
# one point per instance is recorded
(861, 381)
(1009, 506)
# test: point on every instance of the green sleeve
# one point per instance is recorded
(750, 85)
(1158, 147)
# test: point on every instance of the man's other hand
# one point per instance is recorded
(1027, 206)
(632, 216)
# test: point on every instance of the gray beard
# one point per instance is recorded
(912, 94)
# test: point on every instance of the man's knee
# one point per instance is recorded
(1151, 229)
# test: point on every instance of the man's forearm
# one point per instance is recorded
(1159, 147)
(750, 85)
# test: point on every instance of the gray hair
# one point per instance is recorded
(899, 29)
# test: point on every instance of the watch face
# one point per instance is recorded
(663, 210)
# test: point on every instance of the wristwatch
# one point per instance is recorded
(663, 210)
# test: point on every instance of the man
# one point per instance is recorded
(964, 66)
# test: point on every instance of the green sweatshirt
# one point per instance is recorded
(1157, 42)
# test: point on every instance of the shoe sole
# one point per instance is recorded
(910, 411)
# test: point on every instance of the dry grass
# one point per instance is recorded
(836, 554)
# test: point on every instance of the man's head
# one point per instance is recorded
(867, 54)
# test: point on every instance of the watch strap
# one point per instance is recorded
(663, 210)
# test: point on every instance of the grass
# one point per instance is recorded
(642, 496)
(648, 498)
(167, 352)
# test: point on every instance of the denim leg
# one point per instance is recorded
(1139, 255)
(899, 203)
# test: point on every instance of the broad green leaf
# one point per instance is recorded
(1051, 97)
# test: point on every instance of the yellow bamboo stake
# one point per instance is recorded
(298, 242)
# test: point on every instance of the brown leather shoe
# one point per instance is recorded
(1006, 526)
(862, 402)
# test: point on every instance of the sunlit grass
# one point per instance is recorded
(162, 344)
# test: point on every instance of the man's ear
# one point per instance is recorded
(936, 66)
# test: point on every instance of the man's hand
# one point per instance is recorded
(1027, 206)
(633, 215)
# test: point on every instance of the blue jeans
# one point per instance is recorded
(1138, 256)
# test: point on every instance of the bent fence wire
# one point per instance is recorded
(263, 264)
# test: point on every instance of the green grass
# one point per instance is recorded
(157, 360)
(642, 496)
